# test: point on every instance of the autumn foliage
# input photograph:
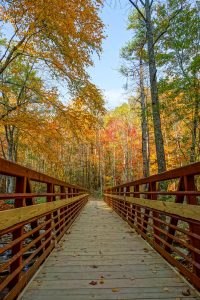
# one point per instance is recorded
(53, 117)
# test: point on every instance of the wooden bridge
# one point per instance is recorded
(128, 246)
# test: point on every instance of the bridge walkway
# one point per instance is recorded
(101, 257)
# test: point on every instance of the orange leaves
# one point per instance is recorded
(63, 33)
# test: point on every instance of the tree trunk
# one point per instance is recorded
(12, 143)
(144, 125)
(196, 120)
(160, 153)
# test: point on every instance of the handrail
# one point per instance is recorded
(29, 230)
(24, 177)
(192, 169)
(169, 225)
(12, 217)
(12, 169)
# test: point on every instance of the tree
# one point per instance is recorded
(179, 54)
(134, 55)
(61, 35)
(145, 9)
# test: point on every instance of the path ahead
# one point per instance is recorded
(103, 258)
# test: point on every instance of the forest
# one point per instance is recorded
(45, 44)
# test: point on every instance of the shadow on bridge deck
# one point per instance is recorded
(101, 257)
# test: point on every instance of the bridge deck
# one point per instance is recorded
(103, 258)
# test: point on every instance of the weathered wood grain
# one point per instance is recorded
(102, 248)
(15, 216)
(179, 209)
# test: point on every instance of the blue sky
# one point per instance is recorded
(105, 73)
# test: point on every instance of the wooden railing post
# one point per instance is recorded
(128, 205)
(189, 184)
(20, 188)
(174, 221)
(137, 208)
(132, 212)
(62, 190)
(153, 188)
(122, 203)
(49, 216)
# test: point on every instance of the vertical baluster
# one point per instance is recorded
(137, 208)
(20, 188)
(128, 205)
(174, 221)
(49, 216)
(189, 184)
(132, 207)
(62, 190)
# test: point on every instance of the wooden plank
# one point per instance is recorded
(15, 216)
(55, 274)
(121, 263)
(53, 284)
(186, 211)
(105, 294)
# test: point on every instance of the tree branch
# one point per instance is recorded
(10, 56)
(139, 11)
(150, 5)
(142, 2)
(168, 25)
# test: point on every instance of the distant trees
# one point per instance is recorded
(43, 43)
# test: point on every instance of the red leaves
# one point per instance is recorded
(93, 282)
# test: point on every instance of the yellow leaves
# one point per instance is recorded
(115, 290)
(64, 33)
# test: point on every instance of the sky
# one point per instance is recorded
(105, 74)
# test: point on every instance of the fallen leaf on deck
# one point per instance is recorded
(115, 290)
(146, 250)
(186, 292)
(101, 281)
(166, 289)
(93, 282)
(94, 267)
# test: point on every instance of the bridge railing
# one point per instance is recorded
(30, 230)
(160, 217)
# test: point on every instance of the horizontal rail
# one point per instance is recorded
(35, 195)
(12, 169)
(171, 226)
(192, 169)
